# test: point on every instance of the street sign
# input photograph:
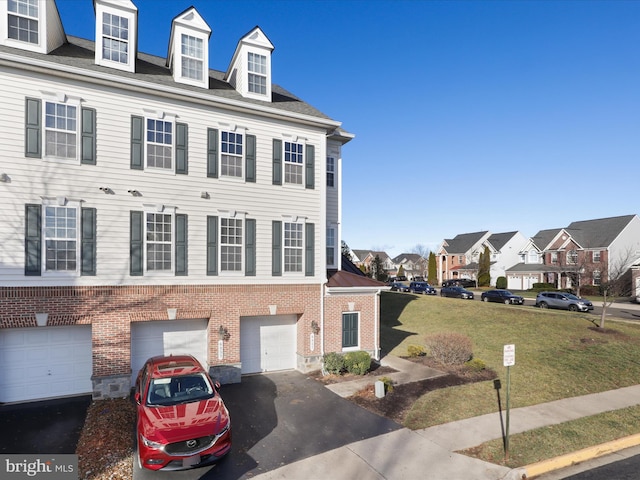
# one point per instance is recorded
(509, 355)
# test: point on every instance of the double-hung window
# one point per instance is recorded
(596, 256)
(159, 144)
(293, 163)
(257, 68)
(231, 157)
(293, 247)
(159, 242)
(115, 38)
(231, 244)
(331, 247)
(61, 238)
(572, 257)
(331, 172)
(23, 20)
(192, 57)
(596, 277)
(61, 125)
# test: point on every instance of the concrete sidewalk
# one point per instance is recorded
(429, 454)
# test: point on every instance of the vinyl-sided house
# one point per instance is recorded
(155, 206)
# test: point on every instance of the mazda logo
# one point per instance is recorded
(191, 443)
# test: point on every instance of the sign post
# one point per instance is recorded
(509, 356)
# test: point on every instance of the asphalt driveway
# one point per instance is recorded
(281, 418)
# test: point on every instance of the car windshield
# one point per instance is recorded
(182, 389)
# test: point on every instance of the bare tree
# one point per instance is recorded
(618, 281)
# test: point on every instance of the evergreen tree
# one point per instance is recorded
(484, 266)
(432, 273)
(346, 251)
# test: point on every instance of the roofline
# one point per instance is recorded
(351, 290)
(106, 79)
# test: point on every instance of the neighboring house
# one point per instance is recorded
(155, 206)
(366, 258)
(529, 270)
(412, 264)
(586, 252)
(505, 251)
(458, 257)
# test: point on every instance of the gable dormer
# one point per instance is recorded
(188, 56)
(250, 68)
(32, 25)
(116, 34)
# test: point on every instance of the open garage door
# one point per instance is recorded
(45, 362)
(268, 343)
(149, 339)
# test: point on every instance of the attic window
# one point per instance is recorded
(257, 67)
(115, 38)
(192, 57)
(23, 20)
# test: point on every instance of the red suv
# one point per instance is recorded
(182, 420)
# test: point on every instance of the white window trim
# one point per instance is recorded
(64, 99)
(61, 201)
(298, 220)
(232, 128)
(165, 117)
(336, 253)
(177, 57)
(335, 167)
(245, 68)
(232, 214)
(357, 347)
(12, 42)
(166, 210)
(129, 66)
(301, 141)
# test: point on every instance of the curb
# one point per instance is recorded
(563, 461)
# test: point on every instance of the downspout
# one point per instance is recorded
(322, 300)
(376, 337)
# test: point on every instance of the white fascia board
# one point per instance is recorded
(104, 78)
(355, 290)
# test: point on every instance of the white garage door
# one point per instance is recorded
(514, 283)
(45, 362)
(268, 343)
(149, 339)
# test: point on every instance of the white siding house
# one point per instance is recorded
(153, 198)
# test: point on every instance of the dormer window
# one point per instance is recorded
(257, 67)
(192, 57)
(23, 20)
(116, 34)
(115, 38)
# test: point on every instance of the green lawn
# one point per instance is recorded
(557, 354)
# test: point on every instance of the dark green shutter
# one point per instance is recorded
(32, 123)
(310, 160)
(182, 143)
(33, 240)
(88, 242)
(137, 143)
(250, 159)
(250, 248)
(309, 249)
(212, 153)
(276, 248)
(88, 144)
(349, 330)
(277, 162)
(136, 256)
(212, 245)
(181, 244)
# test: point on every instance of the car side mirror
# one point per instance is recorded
(217, 385)
(136, 397)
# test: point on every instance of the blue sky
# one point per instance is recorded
(468, 115)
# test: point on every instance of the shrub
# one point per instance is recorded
(416, 351)
(449, 348)
(333, 363)
(357, 363)
(590, 290)
(476, 365)
(543, 286)
(501, 282)
(388, 384)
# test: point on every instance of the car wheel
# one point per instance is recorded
(573, 308)
(485, 299)
(543, 305)
(507, 302)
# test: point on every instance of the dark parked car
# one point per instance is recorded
(401, 278)
(459, 282)
(182, 421)
(398, 287)
(501, 296)
(457, 292)
(422, 287)
(565, 301)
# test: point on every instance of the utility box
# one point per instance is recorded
(379, 389)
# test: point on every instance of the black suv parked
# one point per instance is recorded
(459, 282)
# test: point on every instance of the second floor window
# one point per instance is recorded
(293, 247)
(231, 158)
(572, 257)
(596, 256)
(554, 257)
(23, 20)
(293, 163)
(192, 57)
(115, 38)
(60, 238)
(60, 130)
(159, 144)
(331, 171)
(159, 241)
(331, 246)
(257, 67)
(231, 244)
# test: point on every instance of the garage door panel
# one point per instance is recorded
(268, 343)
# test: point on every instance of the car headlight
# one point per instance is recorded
(150, 444)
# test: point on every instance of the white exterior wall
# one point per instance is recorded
(508, 257)
(33, 178)
(626, 247)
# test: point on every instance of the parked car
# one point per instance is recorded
(501, 296)
(401, 278)
(562, 300)
(459, 282)
(398, 287)
(182, 421)
(422, 287)
(419, 278)
(457, 292)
